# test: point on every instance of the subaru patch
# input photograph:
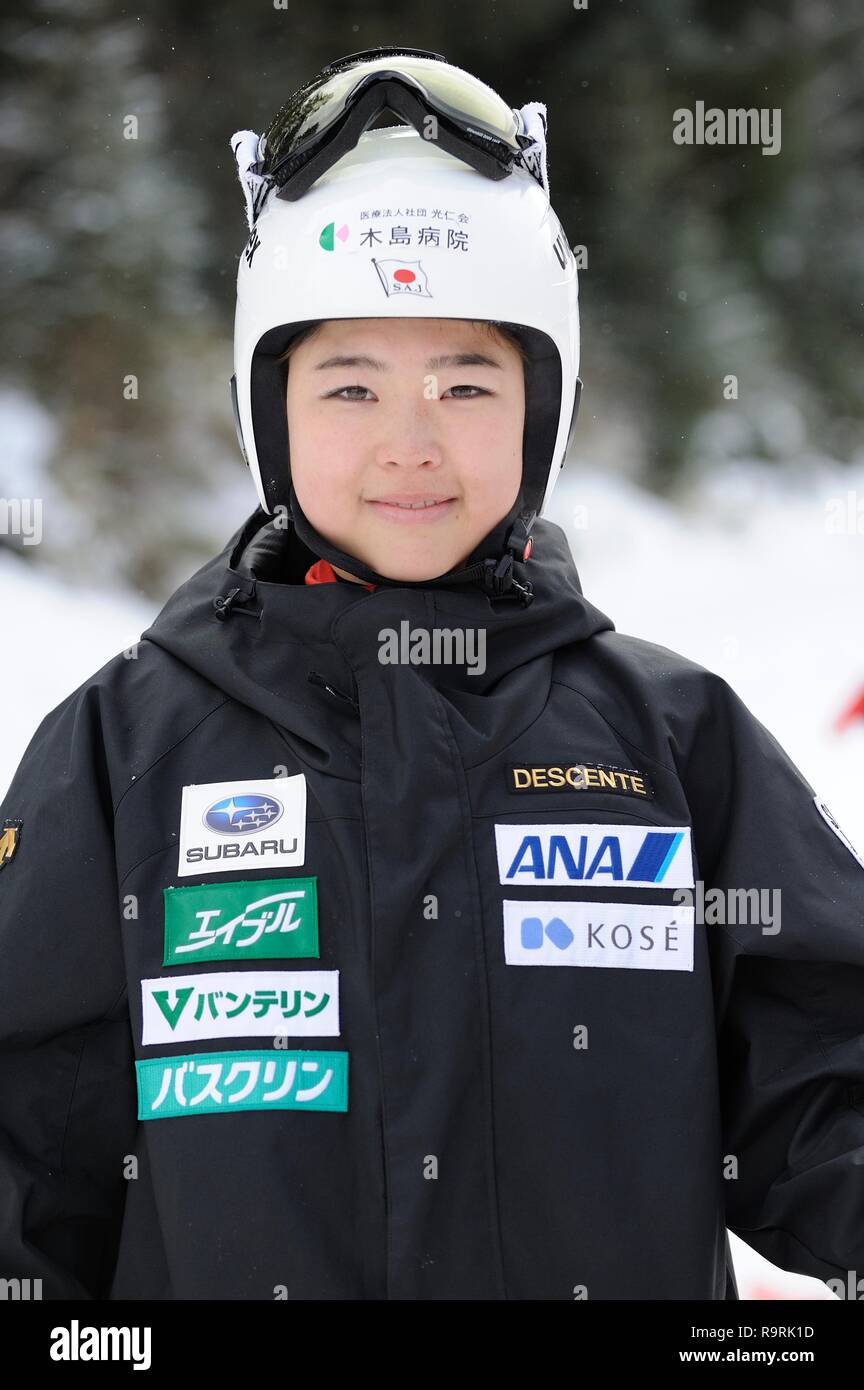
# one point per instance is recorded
(258, 823)
(634, 856)
(632, 936)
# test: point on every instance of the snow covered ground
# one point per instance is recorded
(755, 575)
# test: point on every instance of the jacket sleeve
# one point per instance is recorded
(789, 994)
(67, 1080)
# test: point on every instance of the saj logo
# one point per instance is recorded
(402, 277)
(235, 815)
(630, 855)
(633, 936)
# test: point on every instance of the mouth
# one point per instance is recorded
(413, 509)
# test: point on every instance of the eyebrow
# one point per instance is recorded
(433, 364)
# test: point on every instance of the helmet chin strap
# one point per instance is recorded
(493, 569)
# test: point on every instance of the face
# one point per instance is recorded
(383, 412)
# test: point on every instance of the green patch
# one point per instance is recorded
(257, 919)
(215, 1083)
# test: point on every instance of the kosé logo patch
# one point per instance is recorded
(634, 856)
(632, 936)
(259, 823)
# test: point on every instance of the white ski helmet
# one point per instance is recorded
(399, 228)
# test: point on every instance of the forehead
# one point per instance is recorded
(381, 342)
(419, 328)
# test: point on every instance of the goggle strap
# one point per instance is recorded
(244, 145)
(533, 156)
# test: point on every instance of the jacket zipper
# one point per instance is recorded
(317, 679)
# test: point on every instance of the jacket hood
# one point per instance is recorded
(247, 622)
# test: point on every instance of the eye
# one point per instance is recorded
(338, 395)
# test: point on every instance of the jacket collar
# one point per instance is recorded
(248, 623)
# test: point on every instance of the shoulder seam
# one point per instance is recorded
(170, 749)
(606, 720)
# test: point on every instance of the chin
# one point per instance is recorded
(415, 571)
(411, 570)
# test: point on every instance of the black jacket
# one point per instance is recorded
(515, 1063)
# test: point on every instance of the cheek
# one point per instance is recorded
(492, 451)
(499, 428)
(319, 460)
(324, 479)
(327, 441)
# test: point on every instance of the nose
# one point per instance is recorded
(408, 435)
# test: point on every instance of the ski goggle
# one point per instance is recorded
(325, 117)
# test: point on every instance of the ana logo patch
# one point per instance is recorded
(631, 855)
(240, 1004)
(259, 823)
(633, 936)
(258, 919)
(578, 777)
(829, 820)
(215, 1083)
(10, 838)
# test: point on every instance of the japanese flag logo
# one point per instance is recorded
(402, 277)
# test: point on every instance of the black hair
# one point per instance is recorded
(493, 327)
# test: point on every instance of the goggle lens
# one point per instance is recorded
(320, 103)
